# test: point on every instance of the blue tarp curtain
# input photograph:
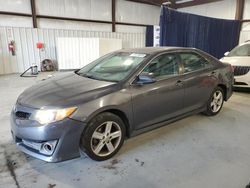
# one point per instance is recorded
(214, 36)
(149, 35)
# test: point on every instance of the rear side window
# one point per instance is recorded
(243, 50)
(194, 62)
(163, 66)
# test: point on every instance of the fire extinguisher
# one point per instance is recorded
(11, 46)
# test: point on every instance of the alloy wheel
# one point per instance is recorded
(217, 101)
(106, 138)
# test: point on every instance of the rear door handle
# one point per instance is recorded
(212, 73)
(179, 83)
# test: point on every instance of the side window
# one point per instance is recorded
(193, 62)
(163, 66)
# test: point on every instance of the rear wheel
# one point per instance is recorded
(104, 136)
(215, 102)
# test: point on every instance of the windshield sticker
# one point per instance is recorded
(137, 55)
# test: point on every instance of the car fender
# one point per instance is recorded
(120, 101)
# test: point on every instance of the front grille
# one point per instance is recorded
(22, 115)
(241, 70)
(240, 83)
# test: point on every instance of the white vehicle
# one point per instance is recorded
(239, 58)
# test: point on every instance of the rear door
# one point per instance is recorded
(156, 102)
(199, 79)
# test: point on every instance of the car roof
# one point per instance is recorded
(152, 50)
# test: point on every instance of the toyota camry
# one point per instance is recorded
(120, 95)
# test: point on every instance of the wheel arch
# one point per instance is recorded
(123, 117)
(224, 88)
(121, 114)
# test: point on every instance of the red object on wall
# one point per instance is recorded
(11, 47)
(39, 45)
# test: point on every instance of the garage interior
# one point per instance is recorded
(197, 151)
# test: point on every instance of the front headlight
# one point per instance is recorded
(52, 115)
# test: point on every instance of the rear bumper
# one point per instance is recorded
(66, 134)
(229, 93)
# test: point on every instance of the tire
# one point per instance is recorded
(103, 137)
(214, 105)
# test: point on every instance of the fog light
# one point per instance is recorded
(48, 147)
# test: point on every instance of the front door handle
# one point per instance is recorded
(179, 83)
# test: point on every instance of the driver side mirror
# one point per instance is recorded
(144, 79)
(226, 53)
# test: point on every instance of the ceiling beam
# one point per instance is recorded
(194, 3)
(150, 2)
(239, 9)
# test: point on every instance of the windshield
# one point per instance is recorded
(113, 67)
(243, 50)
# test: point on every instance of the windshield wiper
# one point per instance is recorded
(88, 75)
(91, 76)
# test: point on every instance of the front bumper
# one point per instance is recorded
(242, 81)
(65, 134)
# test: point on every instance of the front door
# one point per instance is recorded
(161, 100)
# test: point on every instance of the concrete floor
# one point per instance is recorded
(198, 151)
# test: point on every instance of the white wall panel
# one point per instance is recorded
(222, 9)
(245, 32)
(130, 29)
(27, 53)
(15, 21)
(127, 11)
(246, 14)
(21, 6)
(73, 25)
(86, 9)
(245, 29)
(74, 53)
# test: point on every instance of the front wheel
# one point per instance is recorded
(104, 136)
(215, 102)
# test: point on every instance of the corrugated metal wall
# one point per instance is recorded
(27, 53)
(245, 32)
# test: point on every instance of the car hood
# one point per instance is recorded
(65, 90)
(236, 61)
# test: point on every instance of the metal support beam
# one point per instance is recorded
(194, 3)
(131, 24)
(33, 11)
(239, 13)
(149, 2)
(113, 15)
(70, 19)
(14, 14)
(248, 20)
(239, 9)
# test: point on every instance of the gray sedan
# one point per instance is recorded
(119, 95)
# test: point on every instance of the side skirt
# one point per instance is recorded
(163, 123)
